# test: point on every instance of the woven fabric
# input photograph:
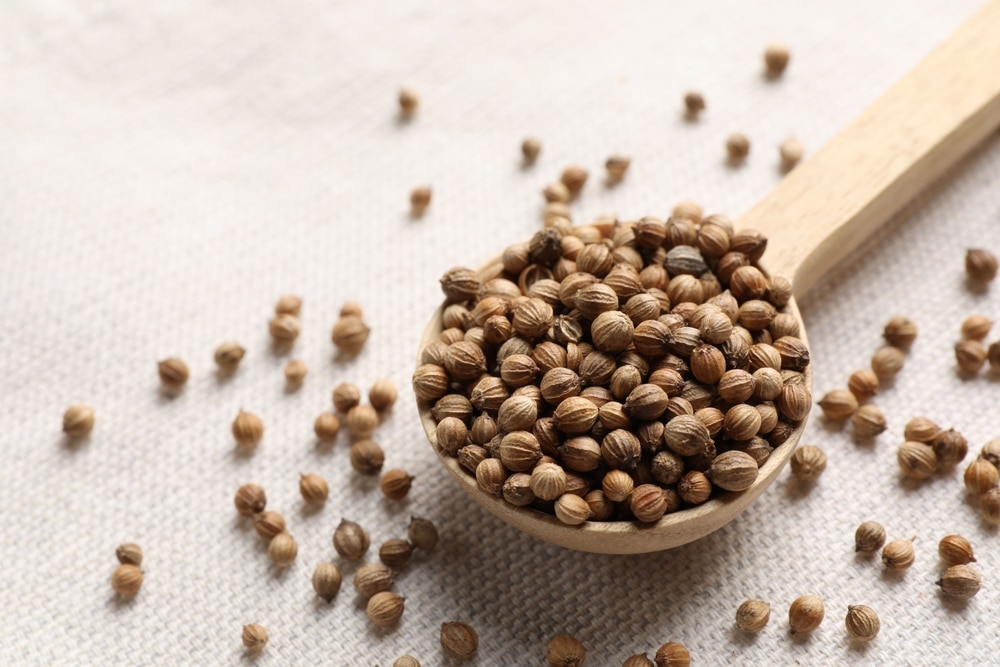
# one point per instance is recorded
(169, 169)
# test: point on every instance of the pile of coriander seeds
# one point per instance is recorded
(616, 371)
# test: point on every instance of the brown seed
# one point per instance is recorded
(127, 580)
(422, 533)
(960, 581)
(648, 503)
(268, 524)
(707, 364)
(989, 506)
(776, 58)
(565, 651)
(921, 429)
(673, 654)
(349, 334)
(366, 457)
(981, 476)
(173, 373)
(229, 355)
(970, 355)
(976, 327)
(571, 509)
(383, 394)
(326, 580)
(694, 103)
(408, 101)
(327, 426)
(916, 460)
(420, 199)
(616, 166)
(465, 361)
(733, 471)
(980, 265)
(808, 463)
(621, 449)
(686, 435)
(617, 485)
(282, 550)
(556, 192)
(406, 661)
(295, 372)
(284, 329)
(950, 447)
(574, 416)
(531, 319)
(372, 578)
(737, 147)
(838, 405)
(794, 401)
(805, 613)
(490, 476)
(887, 361)
(646, 402)
(790, 151)
(955, 550)
(250, 499)
(78, 420)
(395, 552)
(254, 637)
(869, 536)
(346, 396)
(361, 421)
(638, 660)
(753, 615)
(742, 422)
(898, 554)
(862, 622)
(694, 487)
(313, 488)
(395, 484)
(548, 481)
(459, 640)
(868, 421)
(574, 177)
(288, 304)
(530, 148)
(129, 554)
(385, 609)
(248, 429)
(900, 332)
(350, 540)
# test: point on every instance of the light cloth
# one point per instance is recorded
(169, 169)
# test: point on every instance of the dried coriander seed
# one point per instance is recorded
(976, 327)
(950, 447)
(648, 503)
(898, 554)
(790, 151)
(349, 334)
(288, 304)
(395, 484)
(284, 329)
(383, 394)
(295, 372)
(282, 550)
(228, 355)
(385, 609)
(916, 460)
(459, 640)
(78, 420)
(960, 581)
(989, 506)
(862, 622)
(408, 102)
(737, 147)
(672, 654)
(887, 361)
(955, 550)
(366, 457)
(900, 332)
(326, 580)
(981, 476)
(313, 488)
(556, 192)
(616, 166)
(565, 651)
(406, 661)
(129, 553)
(248, 429)
(617, 485)
(327, 426)
(350, 540)
(530, 148)
(869, 536)
(346, 396)
(808, 463)
(422, 533)
(970, 355)
(694, 104)
(993, 356)
(838, 405)
(733, 471)
(127, 580)
(863, 384)
(372, 578)
(638, 660)
(250, 499)
(173, 373)
(548, 480)
(776, 57)
(571, 509)
(268, 523)
(255, 637)
(395, 552)
(868, 421)
(574, 177)
(753, 615)
(694, 487)
(921, 429)
(805, 613)
(361, 421)
(980, 265)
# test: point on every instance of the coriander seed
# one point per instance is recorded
(346, 396)
(980, 265)
(295, 372)
(753, 615)
(78, 420)
(173, 373)
(254, 637)
(395, 484)
(129, 554)
(574, 177)
(737, 147)
(248, 429)
(288, 304)
(955, 550)
(351, 309)
(282, 550)
(459, 640)
(638, 660)
(733, 470)
(693, 487)
(688, 210)
(565, 651)
(229, 355)
(916, 460)
(950, 447)
(395, 552)
(408, 102)
(838, 405)
(406, 661)
(898, 554)
(571, 509)
(556, 192)
(960, 581)
(313, 488)
(887, 361)
(422, 533)
(672, 654)
(350, 540)
(284, 329)
(970, 355)
(790, 151)
(993, 355)
(372, 578)
(862, 622)
(268, 523)
(989, 506)
(976, 327)
(900, 332)
(805, 613)
(694, 104)
(420, 199)
(808, 463)
(361, 421)
(648, 503)
(326, 580)
(548, 480)
(349, 334)
(776, 58)
(863, 384)
(617, 485)
(366, 457)
(868, 421)
(869, 537)
(385, 609)
(530, 148)
(981, 476)
(616, 166)
(127, 580)
(327, 426)
(921, 429)
(383, 394)
(250, 499)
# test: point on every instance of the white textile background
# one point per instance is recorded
(168, 169)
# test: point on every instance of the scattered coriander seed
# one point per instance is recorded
(530, 148)
(327, 426)
(556, 192)
(993, 355)
(916, 460)
(395, 484)
(295, 372)
(313, 488)
(776, 58)
(351, 309)
(385, 609)
(737, 147)
(248, 429)
(991, 452)
(284, 329)
(372, 578)
(790, 151)
(838, 405)
(420, 199)
(955, 550)
(976, 327)
(127, 580)
(229, 355)
(346, 396)
(616, 166)
(862, 622)
(672, 654)
(361, 421)
(960, 581)
(805, 613)
(282, 550)
(808, 463)
(989, 506)
(366, 457)
(638, 660)
(869, 536)
(288, 304)
(863, 384)
(129, 553)
(78, 420)
(753, 615)
(254, 637)
(383, 394)
(970, 355)
(565, 651)
(459, 640)
(921, 429)
(350, 334)
(574, 177)
(694, 103)
(406, 661)
(173, 373)
(268, 523)
(350, 540)
(395, 552)
(408, 102)
(868, 421)
(900, 332)
(898, 554)
(980, 265)
(950, 447)
(250, 499)
(422, 533)
(326, 580)
(981, 476)
(887, 361)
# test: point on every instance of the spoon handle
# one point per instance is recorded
(936, 114)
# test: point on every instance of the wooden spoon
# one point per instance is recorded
(820, 212)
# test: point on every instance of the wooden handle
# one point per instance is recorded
(830, 204)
